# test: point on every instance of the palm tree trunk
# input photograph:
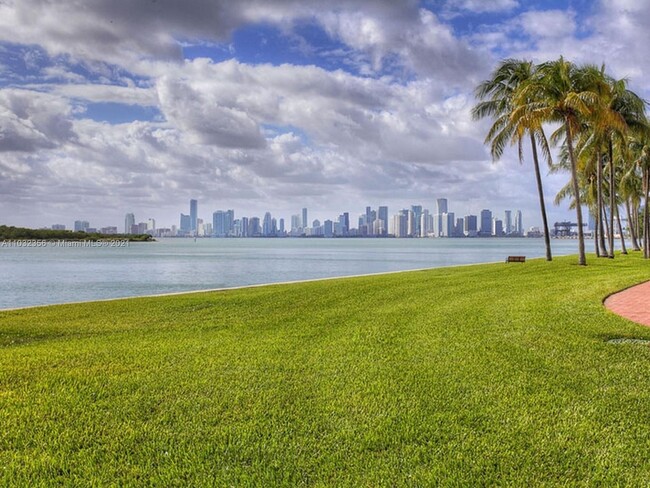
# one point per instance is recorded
(605, 232)
(600, 205)
(582, 258)
(630, 224)
(612, 199)
(620, 231)
(542, 205)
(596, 245)
(646, 214)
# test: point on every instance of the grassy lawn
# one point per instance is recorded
(481, 375)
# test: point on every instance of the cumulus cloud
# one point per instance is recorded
(127, 33)
(31, 121)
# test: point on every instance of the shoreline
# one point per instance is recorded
(242, 287)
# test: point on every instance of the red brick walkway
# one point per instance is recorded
(633, 303)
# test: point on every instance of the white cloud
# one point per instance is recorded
(31, 121)
(548, 23)
(482, 6)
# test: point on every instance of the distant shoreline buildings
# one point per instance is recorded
(413, 222)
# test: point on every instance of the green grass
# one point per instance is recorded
(483, 375)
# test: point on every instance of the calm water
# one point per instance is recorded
(36, 276)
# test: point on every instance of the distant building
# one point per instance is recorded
(410, 222)
(58, 227)
(344, 222)
(194, 207)
(129, 221)
(497, 227)
(382, 215)
(441, 209)
(186, 224)
(459, 230)
(108, 230)
(471, 226)
(519, 225)
(400, 224)
(328, 228)
(254, 227)
(417, 217)
(267, 226)
(304, 218)
(81, 226)
(486, 223)
(507, 224)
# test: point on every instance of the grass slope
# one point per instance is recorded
(490, 374)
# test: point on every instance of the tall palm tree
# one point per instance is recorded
(620, 111)
(640, 146)
(561, 92)
(497, 97)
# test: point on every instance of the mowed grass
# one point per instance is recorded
(484, 375)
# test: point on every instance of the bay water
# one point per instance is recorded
(55, 273)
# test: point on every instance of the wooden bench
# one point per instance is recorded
(516, 259)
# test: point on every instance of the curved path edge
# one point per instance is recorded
(632, 303)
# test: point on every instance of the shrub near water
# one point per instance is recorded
(490, 374)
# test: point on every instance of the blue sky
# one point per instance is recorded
(276, 105)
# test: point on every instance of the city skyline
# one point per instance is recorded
(294, 104)
(416, 221)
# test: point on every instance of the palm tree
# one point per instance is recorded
(640, 146)
(497, 97)
(620, 111)
(561, 92)
(630, 189)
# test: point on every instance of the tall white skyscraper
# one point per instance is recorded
(507, 224)
(424, 223)
(519, 225)
(441, 208)
(410, 223)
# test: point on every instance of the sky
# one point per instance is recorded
(116, 106)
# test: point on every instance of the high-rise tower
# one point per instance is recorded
(193, 214)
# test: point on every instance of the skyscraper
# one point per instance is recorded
(471, 226)
(304, 218)
(417, 215)
(344, 221)
(193, 214)
(218, 223)
(497, 227)
(382, 214)
(267, 225)
(507, 225)
(410, 223)
(129, 221)
(519, 225)
(400, 224)
(186, 225)
(486, 223)
(441, 208)
(424, 223)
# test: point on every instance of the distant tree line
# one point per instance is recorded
(22, 233)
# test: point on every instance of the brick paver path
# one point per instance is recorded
(633, 303)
